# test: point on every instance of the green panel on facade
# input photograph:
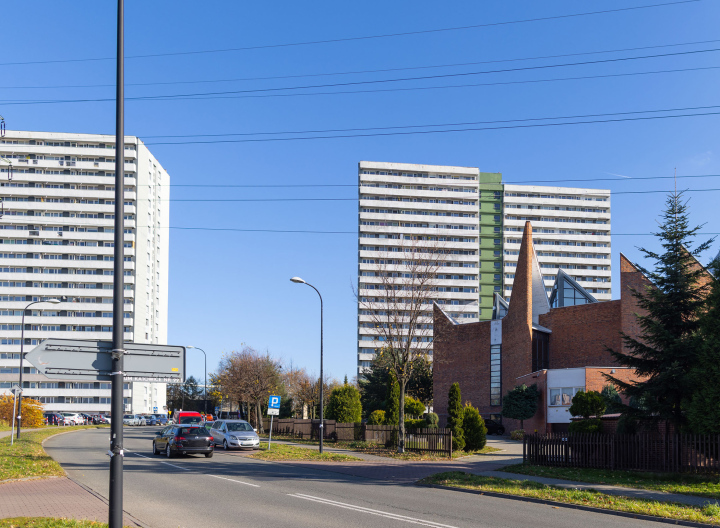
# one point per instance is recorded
(490, 209)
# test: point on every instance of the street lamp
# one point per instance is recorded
(22, 357)
(205, 379)
(298, 280)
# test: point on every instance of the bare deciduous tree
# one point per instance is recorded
(395, 303)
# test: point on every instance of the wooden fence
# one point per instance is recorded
(421, 440)
(642, 452)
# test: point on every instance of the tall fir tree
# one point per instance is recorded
(704, 408)
(667, 349)
(392, 413)
(455, 417)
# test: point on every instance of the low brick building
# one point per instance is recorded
(561, 344)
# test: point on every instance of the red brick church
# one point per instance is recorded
(559, 343)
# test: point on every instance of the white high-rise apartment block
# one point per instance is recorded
(479, 221)
(571, 231)
(56, 242)
(400, 203)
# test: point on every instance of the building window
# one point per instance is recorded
(564, 395)
(495, 375)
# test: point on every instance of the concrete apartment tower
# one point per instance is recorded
(56, 242)
(479, 221)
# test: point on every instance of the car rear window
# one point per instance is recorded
(192, 431)
(190, 420)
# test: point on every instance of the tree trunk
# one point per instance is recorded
(401, 421)
(258, 417)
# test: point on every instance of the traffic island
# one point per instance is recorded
(591, 500)
(281, 452)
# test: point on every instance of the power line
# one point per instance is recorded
(216, 200)
(355, 185)
(432, 125)
(359, 72)
(360, 38)
(352, 92)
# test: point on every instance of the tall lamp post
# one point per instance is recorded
(22, 357)
(298, 280)
(205, 379)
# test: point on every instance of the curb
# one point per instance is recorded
(641, 516)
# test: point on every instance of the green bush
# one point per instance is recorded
(455, 417)
(413, 406)
(376, 418)
(627, 425)
(415, 424)
(591, 425)
(518, 434)
(475, 430)
(344, 405)
(432, 420)
(521, 403)
(587, 404)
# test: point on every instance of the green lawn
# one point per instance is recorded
(287, 452)
(48, 522)
(708, 514)
(701, 485)
(27, 458)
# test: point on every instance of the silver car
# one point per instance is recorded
(234, 433)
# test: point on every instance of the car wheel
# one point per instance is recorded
(154, 448)
(225, 445)
(209, 455)
(168, 453)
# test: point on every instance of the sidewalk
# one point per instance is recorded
(57, 497)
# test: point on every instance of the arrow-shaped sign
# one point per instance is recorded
(80, 359)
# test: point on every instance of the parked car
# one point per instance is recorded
(234, 434)
(102, 419)
(73, 419)
(494, 428)
(150, 419)
(182, 440)
(162, 419)
(53, 418)
(133, 419)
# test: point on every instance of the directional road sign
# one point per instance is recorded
(16, 389)
(90, 359)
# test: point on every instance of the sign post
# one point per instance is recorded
(16, 389)
(273, 410)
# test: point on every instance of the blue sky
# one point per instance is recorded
(228, 288)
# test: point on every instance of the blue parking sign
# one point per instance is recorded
(274, 402)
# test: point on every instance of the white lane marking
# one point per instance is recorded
(173, 465)
(362, 509)
(138, 454)
(233, 480)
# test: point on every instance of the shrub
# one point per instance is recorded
(591, 425)
(587, 404)
(521, 403)
(32, 411)
(376, 418)
(344, 405)
(432, 420)
(518, 434)
(474, 427)
(455, 417)
(413, 406)
(627, 425)
(613, 402)
(415, 424)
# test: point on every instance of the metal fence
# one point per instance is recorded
(642, 452)
(420, 440)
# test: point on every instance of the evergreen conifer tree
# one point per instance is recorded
(392, 413)
(474, 429)
(667, 349)
(455, 417)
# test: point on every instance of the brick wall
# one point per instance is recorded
(461, 353)
(630, 279)
(580, 334)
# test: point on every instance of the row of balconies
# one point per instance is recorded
(49, 192)
(409, 180)
(74, 179)
(60, 207)
(553, 213)
(39, 263)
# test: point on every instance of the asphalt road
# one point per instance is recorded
(230, 490)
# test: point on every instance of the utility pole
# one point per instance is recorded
(115, 516)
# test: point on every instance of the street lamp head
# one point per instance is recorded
(53, 301)
(189, 346)
(297, 280)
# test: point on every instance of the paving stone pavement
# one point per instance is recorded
(53, 497)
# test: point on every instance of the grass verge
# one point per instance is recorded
(27, 458)
(48, 522)
(380, 450)
(685, 483)
(709, 514)
(287, 452)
